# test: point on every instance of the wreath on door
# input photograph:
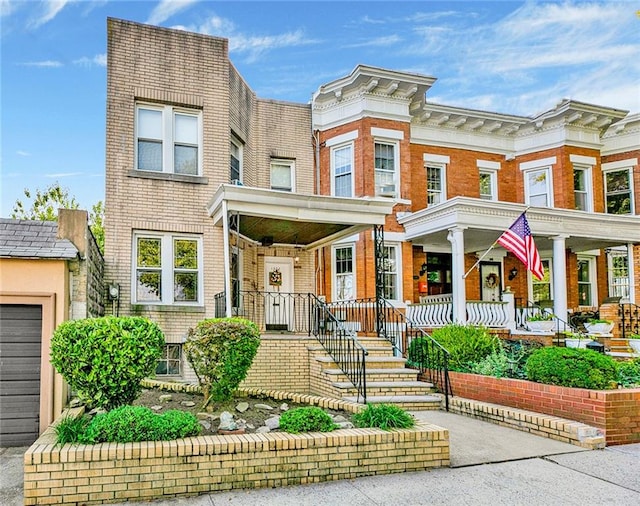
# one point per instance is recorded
(491, 281)
(275, 277)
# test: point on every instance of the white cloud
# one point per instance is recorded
(7, 7)
(99, 60)
(167, 8)
(49, 10)
(63, 174)
(44, 63)
(384, 41)
(23, 153)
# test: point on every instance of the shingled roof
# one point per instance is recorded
(33, 239)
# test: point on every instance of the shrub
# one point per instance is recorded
(629, 373)
(496, 364)
(221, 350)
(307, 419)
(105, 359)
(571, 367)
(70, 429)
(383, 416)
(466, 344)
(128, 424)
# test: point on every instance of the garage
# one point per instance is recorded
(20, 359)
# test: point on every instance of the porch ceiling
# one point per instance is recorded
(484, 221)
(308, 221)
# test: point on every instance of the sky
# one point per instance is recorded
(500, 56)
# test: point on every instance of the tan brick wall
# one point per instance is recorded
(111, 472)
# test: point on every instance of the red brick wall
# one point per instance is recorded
(616, 412)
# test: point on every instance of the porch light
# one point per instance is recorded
(513, 273)
(423, 269)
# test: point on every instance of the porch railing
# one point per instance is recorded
(438, 312)
(628, 319)
(427, 354)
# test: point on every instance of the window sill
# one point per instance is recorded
(165, 308)
(165, 176)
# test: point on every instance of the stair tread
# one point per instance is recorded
(390, 370)
(372, 384)
(398, 398)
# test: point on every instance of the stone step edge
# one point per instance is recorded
(378, 384)
(404, 399)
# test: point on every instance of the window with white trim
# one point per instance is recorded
(236, 149)
(167, 269)
(342, 170)
(168, 139)
(618, 191)
(391, 272)
(586, 281)
(435, 184)
(618, 272)
(344, 287)
(169, 362)
(538, 187)
(386, 169)
(582, 188)
(542, 289)
(488, 185)
(282, 175)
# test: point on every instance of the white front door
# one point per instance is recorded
(278, 282)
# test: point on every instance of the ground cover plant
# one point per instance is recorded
(307, 419)
(105, 359)
(383, 416)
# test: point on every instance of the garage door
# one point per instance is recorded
(20, 344)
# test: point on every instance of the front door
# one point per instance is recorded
(278, 282)
(490, 282)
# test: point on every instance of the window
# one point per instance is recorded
(538, 187)
(282, 175)
(391, 271)
(235, 162)
(542, 289)
(586, 288)
(488, 185)
(169, 363)
(235, 280)
(618, 269)
(343, 282)
(435, 185)
(581, 186)
(342, 169)
(167, 269)
(385, 169)
(618, 191)
(168, 140)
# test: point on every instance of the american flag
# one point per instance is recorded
(518, 240)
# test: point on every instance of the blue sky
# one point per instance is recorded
(512, 57)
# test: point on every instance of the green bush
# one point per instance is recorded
(105, 359)
(629, 373)
(307, 419)
(221, 350)
(508, 360)
(70, 429)
(572, 367)
(128, 424)
(466, 344)
(495, 364)
(383, 416)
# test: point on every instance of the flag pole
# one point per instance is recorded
(480, 259)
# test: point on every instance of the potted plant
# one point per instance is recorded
(575, 340)
(541, 322)
(598, 326)
(634, 342)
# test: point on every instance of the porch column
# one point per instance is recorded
(456, 238)
(560, 277)
(226, 259)
(631, 273)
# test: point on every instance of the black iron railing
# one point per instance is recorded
(425, 354)
(628, 319)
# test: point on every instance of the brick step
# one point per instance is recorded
(408, 402)
(400, 374)
(386, 388)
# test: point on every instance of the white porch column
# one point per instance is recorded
(559, 277)
(632, 274)
(510, 299)
(456, 238)
(227, 259)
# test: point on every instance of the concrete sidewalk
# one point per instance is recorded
(491, 465)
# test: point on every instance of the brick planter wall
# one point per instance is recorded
(615, 412)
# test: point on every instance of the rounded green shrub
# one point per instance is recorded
(629, 373)
(307, 419)
(572, 367)
(383, 416)
(466, 344)
(220, 351)
(128, 424)
(105, 359)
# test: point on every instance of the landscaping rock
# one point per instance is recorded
(273, 423)
(344, 425)
(284, 407)
(262, 430)
(205, 424)
(165, 397)
(266, 407)
(242, 407)
(75, 402)
(227, 422)
(188, 404)
(339, 419)
(156, 408)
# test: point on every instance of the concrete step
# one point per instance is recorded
(373, 350)
(408, 402)
(387, 388)
(371, 362)
(399, 374)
